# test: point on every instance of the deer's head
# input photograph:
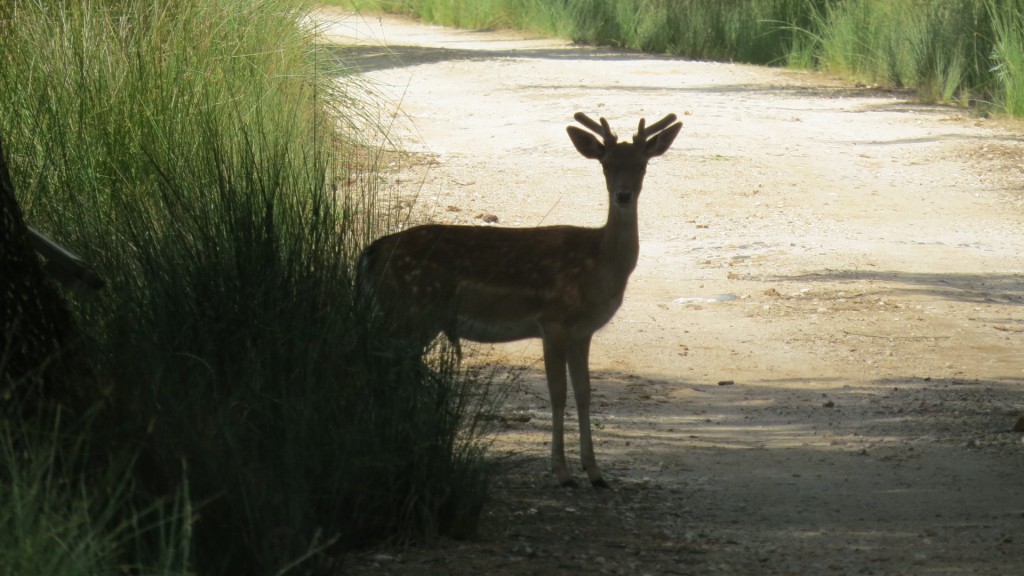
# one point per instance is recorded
(624, 163)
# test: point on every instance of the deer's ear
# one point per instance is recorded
(586, 143)
(659, 144)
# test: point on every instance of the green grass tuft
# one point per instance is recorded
(1008, 53)
(207, 158)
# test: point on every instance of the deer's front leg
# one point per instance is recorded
(554, 368)
(579, 370)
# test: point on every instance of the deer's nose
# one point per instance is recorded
(624, 196)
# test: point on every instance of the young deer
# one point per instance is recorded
(557, 283)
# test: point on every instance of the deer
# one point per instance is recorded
(495, 284)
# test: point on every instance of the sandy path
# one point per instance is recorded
(874, 250)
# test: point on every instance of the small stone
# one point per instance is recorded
(1019, 426)
(726, 382)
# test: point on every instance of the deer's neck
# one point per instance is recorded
(621, 242)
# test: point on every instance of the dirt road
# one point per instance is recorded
(818, 364)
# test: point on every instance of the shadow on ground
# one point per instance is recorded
(781, 477)
(1000, 288)
(807, 476)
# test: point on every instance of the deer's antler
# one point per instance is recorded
(642, 133)
(603, 129)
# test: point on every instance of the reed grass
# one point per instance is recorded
(1008, 54)
(213, 166)
(55, 521)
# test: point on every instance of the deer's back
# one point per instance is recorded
(492, 284)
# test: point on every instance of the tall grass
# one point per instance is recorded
(963, 51)
(939, 48)
(745, 30)
(205, 159)
(1008, 53)
(54, 523)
